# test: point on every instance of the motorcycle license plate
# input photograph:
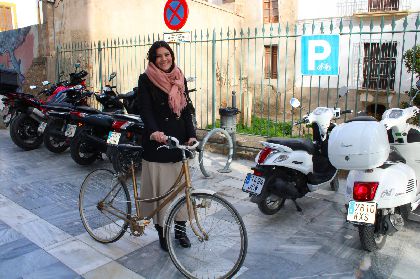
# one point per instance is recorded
(253, 184)
(41, 127)
(5, 110)
(361, 212)
(70, 131)
(6, 119)
(113, 138)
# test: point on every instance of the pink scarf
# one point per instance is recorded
(171, 83)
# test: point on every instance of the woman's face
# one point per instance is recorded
(163, 59)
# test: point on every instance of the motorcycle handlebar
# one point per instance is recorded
(347, 111)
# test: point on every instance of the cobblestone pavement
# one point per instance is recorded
(41, 234)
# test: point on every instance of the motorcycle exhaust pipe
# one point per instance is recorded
(392, 223)
(36, 114)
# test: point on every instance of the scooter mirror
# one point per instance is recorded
(77, 65)
(112, 76)
(45, 82)
(32, 87)
(342, 91)
(295, 103)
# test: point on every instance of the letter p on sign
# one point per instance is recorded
(320, 55)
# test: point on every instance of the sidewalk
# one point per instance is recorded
(41, 234)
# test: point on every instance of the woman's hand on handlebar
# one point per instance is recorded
(159, 137)
(191, 141)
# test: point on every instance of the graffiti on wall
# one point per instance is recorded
(17, 48)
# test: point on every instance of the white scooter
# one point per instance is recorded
(290, 168)
(382, 187)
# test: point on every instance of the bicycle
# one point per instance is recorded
(217, 233)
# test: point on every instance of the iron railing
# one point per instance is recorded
(226, 60)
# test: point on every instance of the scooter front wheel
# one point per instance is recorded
(270, 204)
(371, 241)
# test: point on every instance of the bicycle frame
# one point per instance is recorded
(167, 197)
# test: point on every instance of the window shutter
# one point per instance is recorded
(274, 62)
(6, 22)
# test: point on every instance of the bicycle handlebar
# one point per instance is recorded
(173, 142)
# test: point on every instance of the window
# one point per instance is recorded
(270, 67)
(383, 5)
(379, 65)
(270, 11)
(6, 18)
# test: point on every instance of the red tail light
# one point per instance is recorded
(264, 154)
(77, 114)
(83, 83)
(116, 125)
(364, 191)
(258, 173)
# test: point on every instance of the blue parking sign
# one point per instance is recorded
(320, 55)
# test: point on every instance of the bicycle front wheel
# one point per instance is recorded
(222, 254)
(104, 206)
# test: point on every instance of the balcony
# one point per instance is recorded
(374, 8)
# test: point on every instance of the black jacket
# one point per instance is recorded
(157, 116)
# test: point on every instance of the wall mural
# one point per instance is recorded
(17, 50)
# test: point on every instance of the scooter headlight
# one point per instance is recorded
(281, 158)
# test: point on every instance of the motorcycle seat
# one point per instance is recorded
(99, 120)
(295, 144)
(129, 95)
(362, 118)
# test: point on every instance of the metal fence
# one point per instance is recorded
(262, 65)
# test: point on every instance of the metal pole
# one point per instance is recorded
(213, 82)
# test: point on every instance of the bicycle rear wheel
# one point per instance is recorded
(102, 196)
(223, 253)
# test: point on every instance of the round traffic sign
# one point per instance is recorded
(175, 14)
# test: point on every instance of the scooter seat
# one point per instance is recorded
(395, 156)
(295, 144)
(362, 118)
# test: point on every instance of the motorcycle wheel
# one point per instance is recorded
(81, 151)
(55, 144)
(334, 184)
(270, 204)
(371, 241)
(24, 132)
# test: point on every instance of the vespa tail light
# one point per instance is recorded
(264, 154)
(364, 191)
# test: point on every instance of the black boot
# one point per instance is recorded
(181, 234)
(162, 239)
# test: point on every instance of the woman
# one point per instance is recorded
(163, 108)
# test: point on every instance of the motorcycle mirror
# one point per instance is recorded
(45, 82)
(295, 103)
(112, 76)
(191, 79)
(77, 65)
(32, 87)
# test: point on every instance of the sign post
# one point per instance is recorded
(320, 55)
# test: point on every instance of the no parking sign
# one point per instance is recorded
(175, 14)
(320, 55)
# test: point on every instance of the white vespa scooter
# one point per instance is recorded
(290, 168)
(382, 187)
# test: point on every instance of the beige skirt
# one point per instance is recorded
(156, 180)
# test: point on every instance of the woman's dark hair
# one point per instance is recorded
(151, 54)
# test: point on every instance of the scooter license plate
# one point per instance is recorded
(253, 184)
(113, 138)
(41, 127)
(70, 131)
(361, 212)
